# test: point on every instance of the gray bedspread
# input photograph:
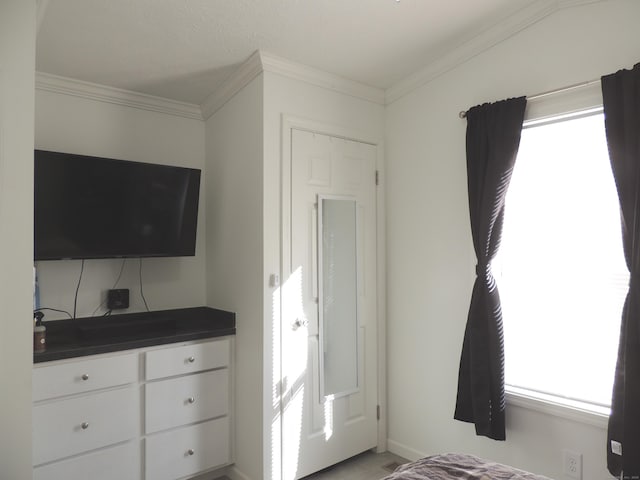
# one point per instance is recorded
(458, 466)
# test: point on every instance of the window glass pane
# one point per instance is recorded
(561, 270)
(339, 297)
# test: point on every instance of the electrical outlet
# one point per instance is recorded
(118, 299)
(572, 462)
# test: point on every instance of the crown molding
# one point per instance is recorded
(577, 3)
(481, 42)
(261, 61)
(319, 78)
(102, 93)
(240, 78)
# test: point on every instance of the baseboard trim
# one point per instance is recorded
(404, 451)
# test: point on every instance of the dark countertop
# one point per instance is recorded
(93, 335)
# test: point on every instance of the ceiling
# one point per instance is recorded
(185, 49)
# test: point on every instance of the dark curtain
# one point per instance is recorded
(621, 100)
(493, 138)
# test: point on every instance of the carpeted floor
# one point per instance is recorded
(366, 466)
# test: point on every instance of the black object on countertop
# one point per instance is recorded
(93, 335)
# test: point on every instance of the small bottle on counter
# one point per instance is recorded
(39, 334)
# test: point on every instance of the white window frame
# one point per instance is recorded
(571, 101)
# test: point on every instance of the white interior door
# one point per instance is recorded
(329, 333)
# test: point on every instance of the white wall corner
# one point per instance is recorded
(102, 93)
(235, 474)
(41, 8)
(240, 78)
(480, 42)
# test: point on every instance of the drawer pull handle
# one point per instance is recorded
(192, 359)
(85, 425)
(190, 451)
(85, 376)
(191, 400)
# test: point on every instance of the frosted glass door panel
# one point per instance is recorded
(338, 296)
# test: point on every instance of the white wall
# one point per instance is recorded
(17, 59)
(243, 145)
(74, 124)
(234, 255)
(430, 260)
(302, 100)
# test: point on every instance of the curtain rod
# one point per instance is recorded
(463, 113)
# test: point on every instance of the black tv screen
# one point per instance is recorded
(91, 207)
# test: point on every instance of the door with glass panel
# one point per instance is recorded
(329, 334)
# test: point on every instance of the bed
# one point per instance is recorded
(458, 466)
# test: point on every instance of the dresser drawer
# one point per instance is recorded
(65, 427)
(82, 376)
(121, 462)
(187, 450)
(173, 361)
(178, 401)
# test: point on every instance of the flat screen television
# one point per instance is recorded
(92, 207)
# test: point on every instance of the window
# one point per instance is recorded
(560, 268)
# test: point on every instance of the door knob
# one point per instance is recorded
(299, 322)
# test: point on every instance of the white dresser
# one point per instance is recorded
(156, 413)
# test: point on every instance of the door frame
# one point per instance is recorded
(289, 123)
